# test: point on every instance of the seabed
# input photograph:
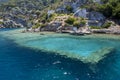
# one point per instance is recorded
(88, 49)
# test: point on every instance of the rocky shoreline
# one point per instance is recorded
(112, 30)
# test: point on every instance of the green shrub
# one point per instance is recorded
(66, 25)
(70, 20)
(51, 17)
(76, 24)
(110, 8)
(95, 27)
(37, 12)
(36, 26)
(83, 22)
(69, 8)
(1, 22)
(43, 25)
(106, 25)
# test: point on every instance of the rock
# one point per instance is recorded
(16, 19)
(95, 19)
(101, 31)
(81, 13)
(11, 24)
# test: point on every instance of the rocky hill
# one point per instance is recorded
(26, 13)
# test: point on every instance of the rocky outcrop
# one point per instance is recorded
(94, 18)
(16, 19)
(81, 13)
(111, 30)
(51, 27)
(11, 24)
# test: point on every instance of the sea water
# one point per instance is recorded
(35, 58)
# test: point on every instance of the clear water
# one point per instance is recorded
(23, 63)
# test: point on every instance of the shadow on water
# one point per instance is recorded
(30, 59)
(107, 66)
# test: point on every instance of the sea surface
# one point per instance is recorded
(19, 61)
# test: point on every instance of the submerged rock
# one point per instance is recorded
(77, 48)
(95, 57)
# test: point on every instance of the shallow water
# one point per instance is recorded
(21, 62)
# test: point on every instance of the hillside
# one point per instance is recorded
(32, 13)
(25, 11)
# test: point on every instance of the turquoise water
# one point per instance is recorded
(35, 58)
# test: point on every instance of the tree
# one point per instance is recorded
(111, 8)
(69, 8)
(70, 20)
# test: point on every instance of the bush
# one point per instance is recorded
(107, 25)
(95, 27)
(1, 22)
(83, 22)
(76, 24)
(36, 26)
(69, 8)
(51, 17)
(110, 8)
(70, 20)
(43, 17)
(43, 25)
(67, 25)
(37, 12)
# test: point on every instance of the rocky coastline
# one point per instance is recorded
(70, 18)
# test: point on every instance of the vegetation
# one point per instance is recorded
(37, 10)
(1, 22)
(70, 20)
(37, 25)
(110, 8)
(77, 22)
(51, 17)
(69, 8)
(107, 25)
(95, 27)
(83, 22)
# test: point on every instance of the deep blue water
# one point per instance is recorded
(21, 63)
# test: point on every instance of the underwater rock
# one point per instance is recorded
(77, 48)
(96, 56)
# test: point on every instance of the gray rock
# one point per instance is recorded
(11, 24)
